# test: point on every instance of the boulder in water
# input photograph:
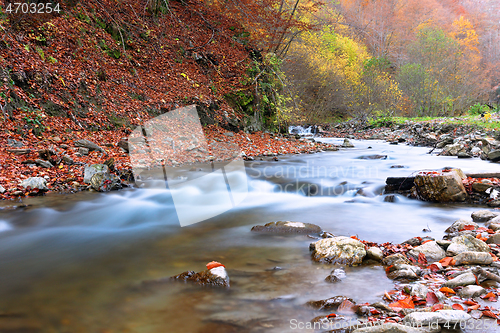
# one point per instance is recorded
(483, 215)
(287, 227)
(329, 304)
(441, 186)
(347, 144)
(214, 275)
(342, 250)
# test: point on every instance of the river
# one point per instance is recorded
(75, 263)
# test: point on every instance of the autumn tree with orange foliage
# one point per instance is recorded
(272, 24)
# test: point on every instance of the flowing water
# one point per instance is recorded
(77, 263)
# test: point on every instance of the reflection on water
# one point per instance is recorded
(76, 263)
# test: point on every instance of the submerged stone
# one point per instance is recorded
(330, 303)
(288, 227)
(342, 250)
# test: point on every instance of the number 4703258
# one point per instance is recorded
(32, 8)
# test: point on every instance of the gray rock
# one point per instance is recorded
(83, 151)
(88, 144)
(414, 241)
(483, 216)
(329, 304)
(67, 160)
(494, 203)
(2, 189)
(104, 182)
(481, 187)
(443, 243)
(459, 225)
(15, 143)
(473, 258)
(419, 290)
(374, 253)
(494, 239)
(494, 155)
(342, 250)
(396, 328)
(394, 259)
(347, 144)
(43, 164)
(494, 224)
(373, 157)
(464, 243)
(452, 149)
(238, 318)
(214, 277)
(91, 170)
(418, 318)
(445, 187)
(471, 291)
(287, 227)
(39, 183)
(431, 250)
(336, 275)
(464, 279)
(463, 154)
(407, 274)
(123, 144)
(229, 134)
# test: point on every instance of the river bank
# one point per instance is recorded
(61, 158)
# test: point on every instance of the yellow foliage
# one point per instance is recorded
(465, 34)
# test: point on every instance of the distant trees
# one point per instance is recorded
(408, 57)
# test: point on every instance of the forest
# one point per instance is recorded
(382, 57)
(265, 64)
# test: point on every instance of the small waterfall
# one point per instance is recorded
(303, 131)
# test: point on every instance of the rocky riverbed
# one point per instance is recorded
(449, 283)
(445, 139)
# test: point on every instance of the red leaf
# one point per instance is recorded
(331, 315)
(446, 261)
(468, 227)
(422, 259)
(434, 267)
(490, 314)
(447, 290)
(457, 307)
(488, 295)
(346, 306)
(431, 298)
(214, 264)
(436, 307)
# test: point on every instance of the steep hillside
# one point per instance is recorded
(99, 68)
